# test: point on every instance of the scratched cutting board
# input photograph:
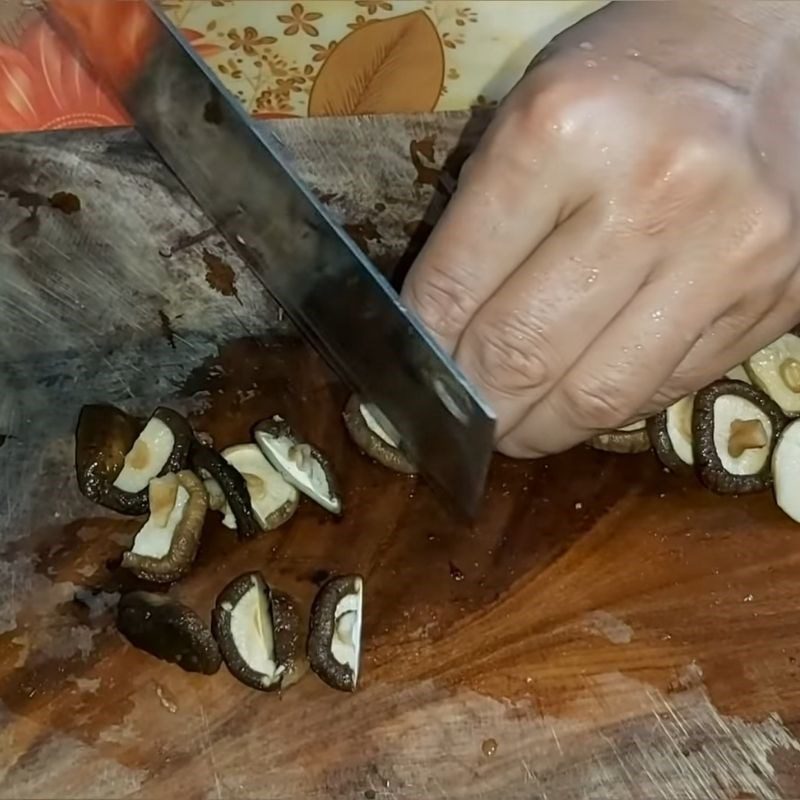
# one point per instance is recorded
(605, 630)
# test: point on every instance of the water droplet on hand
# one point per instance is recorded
(590, 63)
(586, 46)
(632, 52)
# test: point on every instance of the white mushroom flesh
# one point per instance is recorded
(346, 642)
(776, 369)
(251, 630)
(738, 373)
(786, 470)
(268, 490)
(216, 497)
(634, 426)
(679, 428)
(728, 409)
(147, 457)
(376, 427)
(168, 501)
(298, 465)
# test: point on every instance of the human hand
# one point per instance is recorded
(626, 230)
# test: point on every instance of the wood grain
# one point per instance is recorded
(605, 630)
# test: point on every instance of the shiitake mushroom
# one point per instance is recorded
(258, 633)
(775, 369)
(300, 463)
(786, 470)
(372, 439)
(734, 429)
(168, 630)
(334, 641)
(116, 454)
(631, 439)
(208, 463)
(670, 433)
(165, 546)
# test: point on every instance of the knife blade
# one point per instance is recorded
(240, 179)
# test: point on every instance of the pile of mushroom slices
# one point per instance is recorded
(160, 468)
(740, 434)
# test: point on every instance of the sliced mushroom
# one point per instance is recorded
(168, 630)
(786, 470)
(632, 438)
(299, 463)
(117, 456)
(670, 432)
(370, 436)
(258, 633)
(334, 641)
(775, 369)
(166, 545)
(734, 428)
(738, 373)
(208, 462)
(273, 500)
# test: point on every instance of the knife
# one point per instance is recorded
(239, 178)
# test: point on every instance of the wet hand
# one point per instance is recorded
(626, 230)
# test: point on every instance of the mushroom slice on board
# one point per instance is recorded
(775, 369)
(734, 429)
(632, 438)
(221, 477)
(670, 432)
(300, 464)
(370, 437)
(334, 641)
(258, 632)
(165, 546)
(116, 456)
(272, 499)
(786, 470)
(168, 630)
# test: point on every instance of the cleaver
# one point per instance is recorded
(240, 179)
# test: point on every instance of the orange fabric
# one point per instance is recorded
(282, 58)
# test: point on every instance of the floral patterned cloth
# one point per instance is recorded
(313, 58)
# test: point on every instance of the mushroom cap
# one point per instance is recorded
(106, 437)
(269, 664)
(369, 441)
(331, 598)
(307, 469)
(168, 630)
(182, 533)
(668, 434)
(631, 439)
(765, 369)
(714, 468)
(205, 459)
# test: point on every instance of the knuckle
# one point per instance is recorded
(443, 302)
(509, 360)
(594, 404)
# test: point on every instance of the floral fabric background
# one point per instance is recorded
(312, 58)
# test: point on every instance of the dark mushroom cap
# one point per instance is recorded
(233, 485)
(168, 630)
(708, 463)
(268, 433)
(185, 540)
(370, 443)
(661, 441)
(282, 616)
(323, 629)
(104, 436)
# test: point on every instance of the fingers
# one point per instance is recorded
(511, 194)
(619, 373)
(545, 316)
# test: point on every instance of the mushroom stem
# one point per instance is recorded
(790, 373)
(746, 434)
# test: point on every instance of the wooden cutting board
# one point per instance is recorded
(605, 630)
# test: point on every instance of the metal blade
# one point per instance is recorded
(340, 301)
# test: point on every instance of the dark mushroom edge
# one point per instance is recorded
(371, 443)
(204, 459)
(744, 415)
(116, 454)
(168, 630)
(334, 640)
(166, 545)
(631, 439)
(300, 463)
(258, 632)
(674, 422)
